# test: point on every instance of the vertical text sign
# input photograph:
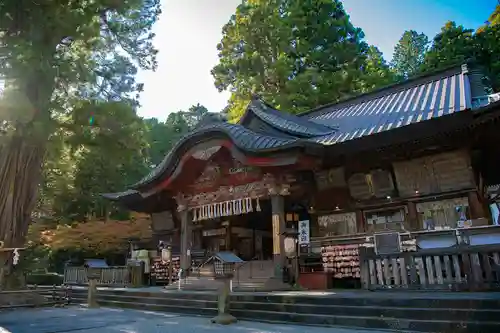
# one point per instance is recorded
(304, 232)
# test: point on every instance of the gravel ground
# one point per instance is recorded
(105, 320)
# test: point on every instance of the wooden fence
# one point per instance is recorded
(462, 268)
(110, 276)
(52, 295)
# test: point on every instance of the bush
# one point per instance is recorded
(46, 279)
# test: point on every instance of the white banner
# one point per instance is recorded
(304, 232)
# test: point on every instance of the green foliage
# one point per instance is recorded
(453, 45)
(493, 20)
(104, 147)
(54, 52)
(61, 58)
(295, 54)
(409, 53)
(46, 279)
(162, 136)
(487, 54)
(377, 71)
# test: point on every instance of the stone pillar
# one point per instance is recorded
(278, 221)
(186, 235)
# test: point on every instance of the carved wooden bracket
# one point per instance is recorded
(181, 202)
(279, 189)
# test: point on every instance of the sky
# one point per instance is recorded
(188, 32)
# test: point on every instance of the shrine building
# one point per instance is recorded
(402, 169)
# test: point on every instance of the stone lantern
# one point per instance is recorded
(93, 268)
(224, 265)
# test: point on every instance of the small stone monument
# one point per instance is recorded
(224, 265)
(93, 268)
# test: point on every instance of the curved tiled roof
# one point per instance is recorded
(264, 129)
(243, 138)
(286, 122)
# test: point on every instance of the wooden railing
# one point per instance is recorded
(460, 268)
(110, 276)
(48, 296)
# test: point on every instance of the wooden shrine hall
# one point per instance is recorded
(297, 196)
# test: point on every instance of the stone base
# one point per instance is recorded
(224, 319)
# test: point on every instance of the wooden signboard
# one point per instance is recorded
(359, 186)
(375, 184)
(387, 243)
(337, 224)
(434, 174)
(332, 178)
(162, 221)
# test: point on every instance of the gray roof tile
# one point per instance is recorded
(425, 101)
(242, 137)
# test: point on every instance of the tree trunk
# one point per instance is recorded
(20, 171)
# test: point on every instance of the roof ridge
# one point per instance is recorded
(285, 122)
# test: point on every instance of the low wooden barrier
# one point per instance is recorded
(461, 268)
(52, 295)
(110, 276)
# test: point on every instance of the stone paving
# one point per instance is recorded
(105, 320)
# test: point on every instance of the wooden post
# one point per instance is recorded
(413, 217)
(170, 264)
(360, 221)
(185, 240)
(278, 220)
(92, 294)
(476, 207)
(229, 246)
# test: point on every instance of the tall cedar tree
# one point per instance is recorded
(52, 53)
(452, 45)
(296, 54)
(409, 53)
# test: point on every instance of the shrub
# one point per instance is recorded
(46, 279)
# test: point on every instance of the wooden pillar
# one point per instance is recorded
(229, 246)
(278, 220)
(360, 222)
(413, 217)
(186, 239)
(477, 209)
(197, 239)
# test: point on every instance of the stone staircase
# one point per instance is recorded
(392, 311)
(250, 276)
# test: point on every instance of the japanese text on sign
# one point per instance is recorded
(304, 232)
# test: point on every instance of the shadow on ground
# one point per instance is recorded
(105, 320)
